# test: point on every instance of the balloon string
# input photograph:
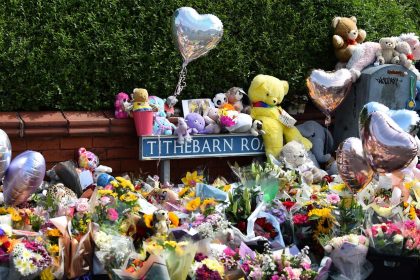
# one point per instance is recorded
(181, 81)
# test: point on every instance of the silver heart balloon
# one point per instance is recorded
(352, 166)
(387, 147)
(195, 34)
(24, 175)
(5, 152)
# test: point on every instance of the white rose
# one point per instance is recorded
(398, 238)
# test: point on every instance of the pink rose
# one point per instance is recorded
(105, 200)
(306, 266)
(112, 214)
(82, 205)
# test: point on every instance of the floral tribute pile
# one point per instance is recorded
(268, 225)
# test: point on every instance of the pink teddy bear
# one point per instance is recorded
(120, 99)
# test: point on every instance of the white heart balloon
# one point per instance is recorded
(195, 34)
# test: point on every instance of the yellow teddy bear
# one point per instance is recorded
(266, 93)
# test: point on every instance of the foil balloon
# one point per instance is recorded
(24, 175)
(328, 89)
(407, 120)
(387, 147)
(194, 35)
(352, 165)
(5, 152)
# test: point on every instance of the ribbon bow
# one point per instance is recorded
(351, 42)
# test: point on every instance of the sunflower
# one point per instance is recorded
(183, 192)
(148, 220)
(191, 179)
(174, 219)
(207, 203)
(321, 213)
(192, 205)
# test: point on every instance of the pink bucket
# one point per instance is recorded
(144, 122)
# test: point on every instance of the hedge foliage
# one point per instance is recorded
(77, 54)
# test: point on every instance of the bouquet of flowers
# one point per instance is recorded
(411, 235)
(348, 254)
(29, 260)
(113, 250)
(386, 238)
(276, 266)
(212, 226)
(205, 268)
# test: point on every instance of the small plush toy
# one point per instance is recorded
(413, 40)
(161, 222)
(88, 160)
(346, 37)
(296, 157)
(322, 144)
(220, 101)
(101, 176)
(170, 103)
(241, 123)
(234, 97)
(182, 131)
(256, 128)
(212, 119)
(162, 126)
(387, 54)
(121, 99)
(195, 123)
(405, 54)
(266, 94)
(158, 106)
(140, 100)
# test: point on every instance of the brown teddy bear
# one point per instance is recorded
(387, 54)
(346, 37)
(140, 99)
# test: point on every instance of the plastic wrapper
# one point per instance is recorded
(179, 262)
(78, 252)
(350, 261)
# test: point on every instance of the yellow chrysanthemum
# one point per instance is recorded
(192, 205)
(209, 202)
(114, 184)
(106, 192)
(174, 219)
(53, 232)
(191, 179)
(214, 265)
(16, 217)
(54, 249)
(46, 274)
(412, 213)
(148, 220)
(191, 194)
(125, 183)
(227, 188)
(182, 192)
(128, 197)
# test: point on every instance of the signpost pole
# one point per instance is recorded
(165, 170)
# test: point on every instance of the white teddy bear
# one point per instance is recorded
(296, 157)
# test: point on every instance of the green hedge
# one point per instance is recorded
(77, 54)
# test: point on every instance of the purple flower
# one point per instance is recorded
(204, 273)
(275, 277)
(2, 233)
(199, 257)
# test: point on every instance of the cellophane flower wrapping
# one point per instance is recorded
(386, 238)
(348, 254)
(112, 251)
(179, 259)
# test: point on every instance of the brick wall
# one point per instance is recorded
(58, 136)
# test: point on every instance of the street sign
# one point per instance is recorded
(201, 146)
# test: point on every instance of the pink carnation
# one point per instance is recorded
(112, 214)
(105, 200)
(333, 198)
